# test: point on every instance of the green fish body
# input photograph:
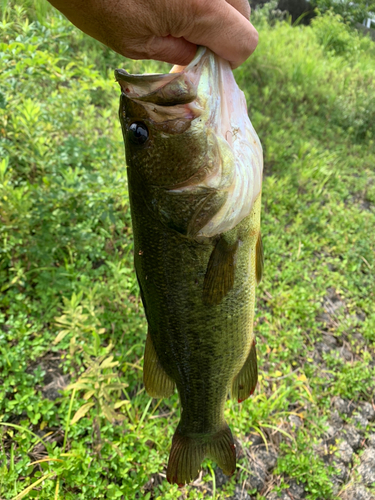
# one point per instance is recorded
(194, 166)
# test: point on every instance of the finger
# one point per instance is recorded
(224, 30)
(242, 6)
(170, 49)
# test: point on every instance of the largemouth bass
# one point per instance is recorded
(194, 165)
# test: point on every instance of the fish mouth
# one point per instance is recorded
(201, 87)
(170, 89)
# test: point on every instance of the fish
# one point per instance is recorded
(194, 167)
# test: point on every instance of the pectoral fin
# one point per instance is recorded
(219, 278)
(157, 383)
(245, 382)
(259, 259)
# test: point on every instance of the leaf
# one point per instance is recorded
(120, 417)
(77, 385)
(107, 376)
(118, 404)
(48, 459)
(32, 486)
(108, 412)
(81, 412)
(118, 386)
(88, 394)
(60, 336)
(109, 363)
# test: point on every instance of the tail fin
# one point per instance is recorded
(222, 449)
(188, 452)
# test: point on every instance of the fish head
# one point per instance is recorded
(188, 131)
(162, 127)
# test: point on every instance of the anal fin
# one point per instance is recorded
(157, 383)
(259, 259)
(245, 382)
(219, 278)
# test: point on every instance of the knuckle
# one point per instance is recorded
(149, 48)
(204, 8)
(244, 9)
(139, 50)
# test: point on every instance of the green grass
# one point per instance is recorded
(66, 269)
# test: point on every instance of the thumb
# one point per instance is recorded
(171, 50)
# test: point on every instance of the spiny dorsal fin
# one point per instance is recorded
(245, 382)
(157, 383)
(219, 277)
(259, 259)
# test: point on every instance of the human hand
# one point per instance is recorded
(166, 30)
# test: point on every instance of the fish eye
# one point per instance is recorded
(138, 133)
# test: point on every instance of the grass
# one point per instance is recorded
(69, 305)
